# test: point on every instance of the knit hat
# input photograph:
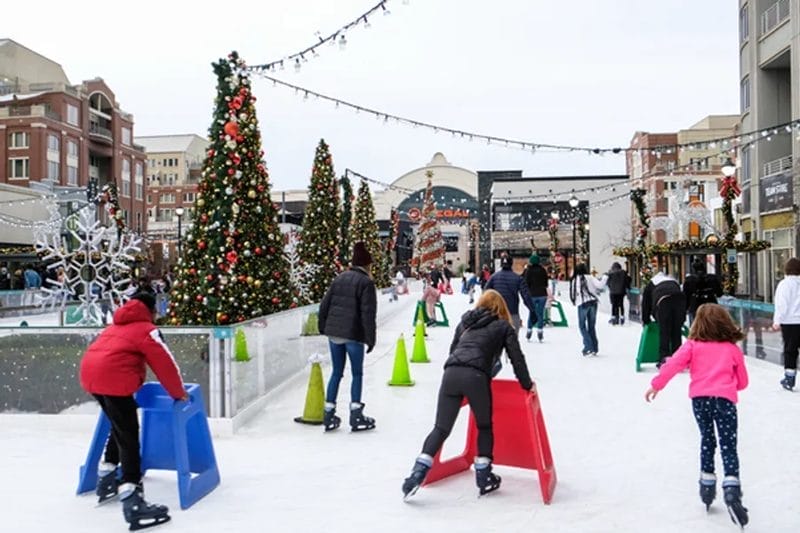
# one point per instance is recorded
(361, 256)
(534, 259)
(506, 261)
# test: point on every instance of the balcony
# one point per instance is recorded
(29, 111)
(776, 166)
(100, 133)
(774, 16)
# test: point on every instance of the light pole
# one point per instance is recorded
(574, 203)
(586, 244)
(179, 213)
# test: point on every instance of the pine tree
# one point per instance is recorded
(365, 229)
(347, 216)
(232, 267)
(320, 235)
(430, 243)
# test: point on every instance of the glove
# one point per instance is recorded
(370, 347)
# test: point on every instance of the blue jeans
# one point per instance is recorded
(710, 410)
(587, 316)
(538, 303)
(339, 354)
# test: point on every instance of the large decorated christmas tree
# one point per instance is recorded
(365, 229)
(430, 243)
(319, 240)
(232, 267)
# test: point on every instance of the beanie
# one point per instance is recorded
(506, 261)
(534, 259)
(361, 256)
(147, 298)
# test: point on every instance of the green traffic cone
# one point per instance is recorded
(420, 354)
(314, 410)
(401, 376)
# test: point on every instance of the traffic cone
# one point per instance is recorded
(420, 354)
(314, 410)
(420, 318)
(401, 377)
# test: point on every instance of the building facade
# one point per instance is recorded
(59, 136)
(174, 166)
(769, 53)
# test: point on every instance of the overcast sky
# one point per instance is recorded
(585, 72)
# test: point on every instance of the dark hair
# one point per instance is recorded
(698, 266)
(147, 298)
(580, 270)
(713, 323)
(792, 267)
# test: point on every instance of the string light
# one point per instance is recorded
(658, 150)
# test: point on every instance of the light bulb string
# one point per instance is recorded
(749, 137)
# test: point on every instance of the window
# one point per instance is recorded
(126, 136)
(149, 199)
(138, 222)
(744, 95)
(126, 177)
(19, 139)
(53, 143)
(168, 198)
(72, 115)
(744, 23)
(72, 175)
(72, 149)
(746, 170)
(18, 168)
(139, 181)
(52, 170)
(164, 215)
(188, 197)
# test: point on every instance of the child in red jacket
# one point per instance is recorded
(112, 370)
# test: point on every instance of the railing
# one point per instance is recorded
(96, 129)
(776, 166)
(49, 113)
(774, 15)
(19, 111)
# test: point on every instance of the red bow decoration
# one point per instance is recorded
(553, 224)
(729, 186)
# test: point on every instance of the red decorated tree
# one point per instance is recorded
(232, 267)
(319, 242)
(430, 243)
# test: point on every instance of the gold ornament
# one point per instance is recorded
(250, 280)
(251, 194)
(257, 283)
(200, 202)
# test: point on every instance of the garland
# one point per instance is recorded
(552, 228)
(729, 190)
(637, 197)
(691, 246)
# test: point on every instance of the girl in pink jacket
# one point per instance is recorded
(717, 372)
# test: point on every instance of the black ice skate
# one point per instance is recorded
(330, 420)
(486, 480)
(708, 488)
(412, 483)
(107, 483)
(733, 499)
(788, 381)
(138, 513)
(528, 334)
(359, 422)
(540, 335)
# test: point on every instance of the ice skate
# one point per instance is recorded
(733, 499)
(788, 380)
(540, 335)
(529, 333)
(330, 420)
(107, 483)
(138, 513)
(413, 482)
(486, 480)
(359, 422)
(708, 488)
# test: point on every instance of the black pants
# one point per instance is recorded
(123, 442)
(791, 344)
(670, 315)
(617, 308)
(710, 410)
(457, 383)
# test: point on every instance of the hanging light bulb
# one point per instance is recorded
(297, 65)
(366, 22)
(386, 11)
(342, 42)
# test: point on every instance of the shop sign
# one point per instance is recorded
(776, 192)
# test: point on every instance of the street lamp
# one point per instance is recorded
(555, 216)
(728, 168)
(574, 202)
(179, 213)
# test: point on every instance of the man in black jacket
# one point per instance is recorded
(618, 284)
(347, 316)
(663, 299)
(537, 281)
(510, 284)
(700, 288)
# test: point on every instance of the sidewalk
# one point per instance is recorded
(622, 465)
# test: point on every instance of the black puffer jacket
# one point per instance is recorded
(348, 308)
(618, 280)
(479, 340)
(537, 280)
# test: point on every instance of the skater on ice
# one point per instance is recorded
(112, 370)
(786, 319)
(479, 340)
(717, 372)
(538, 283)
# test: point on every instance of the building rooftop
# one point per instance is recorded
(155, 144)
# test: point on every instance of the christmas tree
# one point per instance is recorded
(320, 235)
(232, 267)
(347, 215)
(365, 229)
(430, 243)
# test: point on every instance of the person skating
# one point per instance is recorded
(347, 316)
(717, 372)
(663, 300)
(700, 288)
(512, 287)
(786, 319)
(618, 284)
(112, 370)
(474, 359)
(538, 282)
(583, 292)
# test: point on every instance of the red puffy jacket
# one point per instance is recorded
(114, 364)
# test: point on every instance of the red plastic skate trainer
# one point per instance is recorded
(520, 438)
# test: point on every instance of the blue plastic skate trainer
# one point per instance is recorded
(174, 436)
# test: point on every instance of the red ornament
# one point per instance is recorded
(260, 187)
(204, 218)
(271, 250)
(192, 270)
(258, 250)
(239, 139)
(223, 317)
(209, 278)
(276, 275)
(231, 256)
(201, 245)
(276, 300)
(211, 152)
(199, 297)
(231, 172)
(237, 102)
(231, 128)
(293, 305)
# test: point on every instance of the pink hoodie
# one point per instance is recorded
(716, 369)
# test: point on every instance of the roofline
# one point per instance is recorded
(615, 177)
(168, 135)
(32, 51)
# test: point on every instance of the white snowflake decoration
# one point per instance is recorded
(300, 273)
(96, 270)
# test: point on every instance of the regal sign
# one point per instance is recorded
(452, 213)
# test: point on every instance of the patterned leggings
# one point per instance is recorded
(707, 411)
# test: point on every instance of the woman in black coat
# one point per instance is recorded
(474, 359)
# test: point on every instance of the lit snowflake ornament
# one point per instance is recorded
(300, 274)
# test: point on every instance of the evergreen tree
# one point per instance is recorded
(430, 243)
(320, 235)
(347, 215)
(365, 229)
(232, 267)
